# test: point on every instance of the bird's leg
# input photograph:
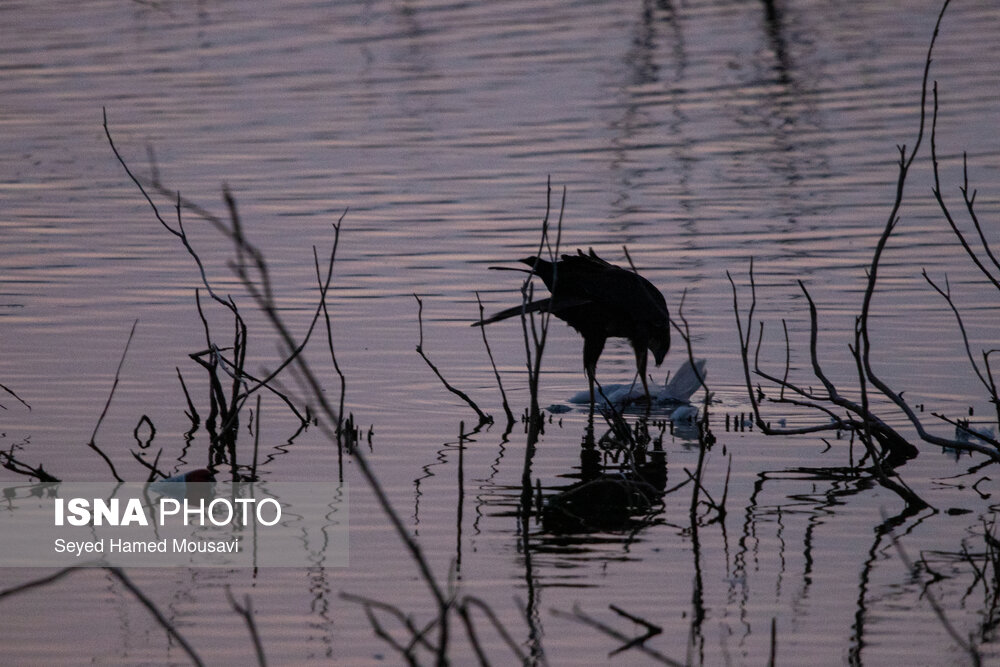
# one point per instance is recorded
(593, 345)
(640, 364)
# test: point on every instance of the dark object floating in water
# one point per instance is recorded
(608, 502)
(177, 486)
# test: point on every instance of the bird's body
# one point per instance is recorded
(600, 300)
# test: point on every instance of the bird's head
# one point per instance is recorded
(659, 343)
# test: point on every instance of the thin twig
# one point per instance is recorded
(969, 204)
(246, 611)
(483, 417)
(329, 328)
(119, 574)
(405, 620)
(14, 394)
(107, 404)
(496, 373)
(946, 295)
(468, 601)
(581, 617)
(10, 462)
(37, 583)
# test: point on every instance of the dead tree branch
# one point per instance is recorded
(107, 404)
(483, 417)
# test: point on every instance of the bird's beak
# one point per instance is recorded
(660, 348)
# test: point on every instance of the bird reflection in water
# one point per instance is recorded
(622, 479)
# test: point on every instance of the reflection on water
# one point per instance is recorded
(697, 134)
(619, 494)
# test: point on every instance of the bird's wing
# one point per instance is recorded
(611, 288)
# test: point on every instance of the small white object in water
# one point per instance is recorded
(684, 413)
(682, 386)
(970, 432)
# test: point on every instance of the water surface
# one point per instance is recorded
(697, 134)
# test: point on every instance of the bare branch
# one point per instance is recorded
(107, 404)
(246, 611)
(165, 623)
(483, 417)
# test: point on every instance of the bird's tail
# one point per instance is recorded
(533, 307)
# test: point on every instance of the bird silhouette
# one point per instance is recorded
(600, 300)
